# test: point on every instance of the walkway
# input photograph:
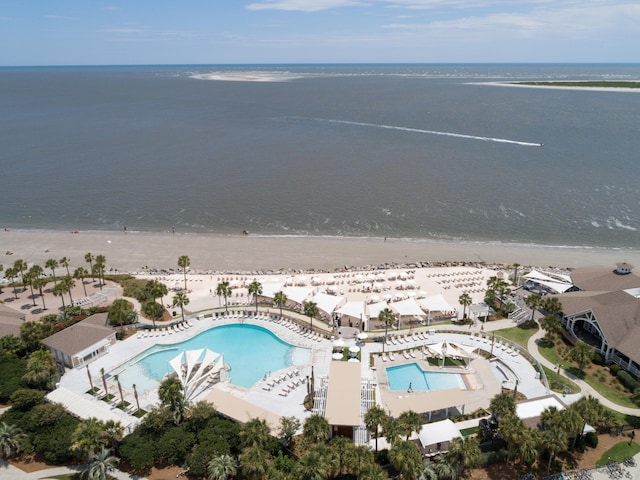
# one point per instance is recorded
(8, 471)
(532, 346)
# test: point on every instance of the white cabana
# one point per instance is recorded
(298, 294)
(408, 307)
(353, 309)
(374, 309)
(435, 303)
(438, 433)
(328, 303)
(269, 289)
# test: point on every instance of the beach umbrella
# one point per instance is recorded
(359, 278)
(353, 360)
(354, 349)
(367, 285)
(371, 277)
(381, 277)
(331, 281)
(374, 298)
(400, 284)
(387, 296)
(422, 294)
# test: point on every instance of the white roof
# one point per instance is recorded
(298, 294)
(353, 309)
(328, 303)
(534, 408)
(270, 289)
(557, 282)
(438, 432)
(374, 309)
(85, 408)
(436, 303)
(408, 307)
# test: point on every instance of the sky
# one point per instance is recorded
(135, 32)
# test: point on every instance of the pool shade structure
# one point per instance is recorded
(435, 437)
(197, 368)
(343, 401)
(450, 349)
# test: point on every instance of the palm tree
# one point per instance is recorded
(515, 273)
(388, 317)
(117, 379)
(254, 463)
(183, 262)
(222, 467)
(89, 259)
(11, 274)
(80, 273)
(316, 429)
(280, 299)
(555, 440)
(135, 394)
(20, 266)
(287, 430)
(465, 452)
(511, 428)
(52, 264)
(64, 262)
(374, 419)
(310, 310)
(581, 353)
(360, 461)
(104, 383)
(29, 279)
(1, 269)
(465, 301)
(59, 291)
(11, 438)
(113, 432)
(171, 395)
(406, 459)
(590, 410)
(501, 405)
(255, 433)
(101, 265)
(224, 290)
(88, 438)
(533, 301)
(99, 465)
(410, 422)
(68, 283)
(181, 300)
(41, 370)
(255, 289)
(40, 283)
(552, 305)
(430, 471)
(312, 466)
(443, 468)
(528, 446)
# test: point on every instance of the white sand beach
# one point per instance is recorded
(562, 87)
(132, 251)
(246, 76)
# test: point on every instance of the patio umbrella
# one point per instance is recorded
(338, 343)
(363, 336)
(337, 356)
(354, 349)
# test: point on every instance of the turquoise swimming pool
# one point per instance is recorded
(249, 350)
(402, 376)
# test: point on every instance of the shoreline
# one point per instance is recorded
(134, 251)
(561, 87)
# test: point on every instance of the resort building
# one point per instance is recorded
(605, 312)
(83, 342)
(10, 321)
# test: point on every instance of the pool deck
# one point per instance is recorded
(282, 393)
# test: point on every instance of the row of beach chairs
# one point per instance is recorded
(158, 332)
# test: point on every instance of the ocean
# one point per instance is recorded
(400, 151)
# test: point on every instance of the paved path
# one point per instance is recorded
(532, 346)
(9, 472)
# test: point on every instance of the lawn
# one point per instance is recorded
(618, 453)
(556, 385)
(517, 335)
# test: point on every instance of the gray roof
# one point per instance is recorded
(10, 321)
(82, 335)
(617, 312)
(603, 279)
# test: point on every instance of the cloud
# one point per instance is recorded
(61, 17)
(304, 5)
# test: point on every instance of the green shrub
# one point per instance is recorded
(581, 445)
(598, 358)
(614, 368)
(591, 439)
(627, 380)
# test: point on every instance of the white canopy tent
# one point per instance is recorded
(556, 282)
(298, 294)
(374, 309)
(353, 309)
(269, 289)
(408, 307)
(328, 303)
(435, 303)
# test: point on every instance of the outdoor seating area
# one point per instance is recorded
(285, 383)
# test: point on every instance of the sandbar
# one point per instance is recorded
(562, 87)
(246, 76)
(135, 251)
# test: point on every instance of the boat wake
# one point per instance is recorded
(431, 132)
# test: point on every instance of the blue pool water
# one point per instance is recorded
(401, 376)
(250, 351)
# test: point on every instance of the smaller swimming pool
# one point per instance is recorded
(402, 376)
